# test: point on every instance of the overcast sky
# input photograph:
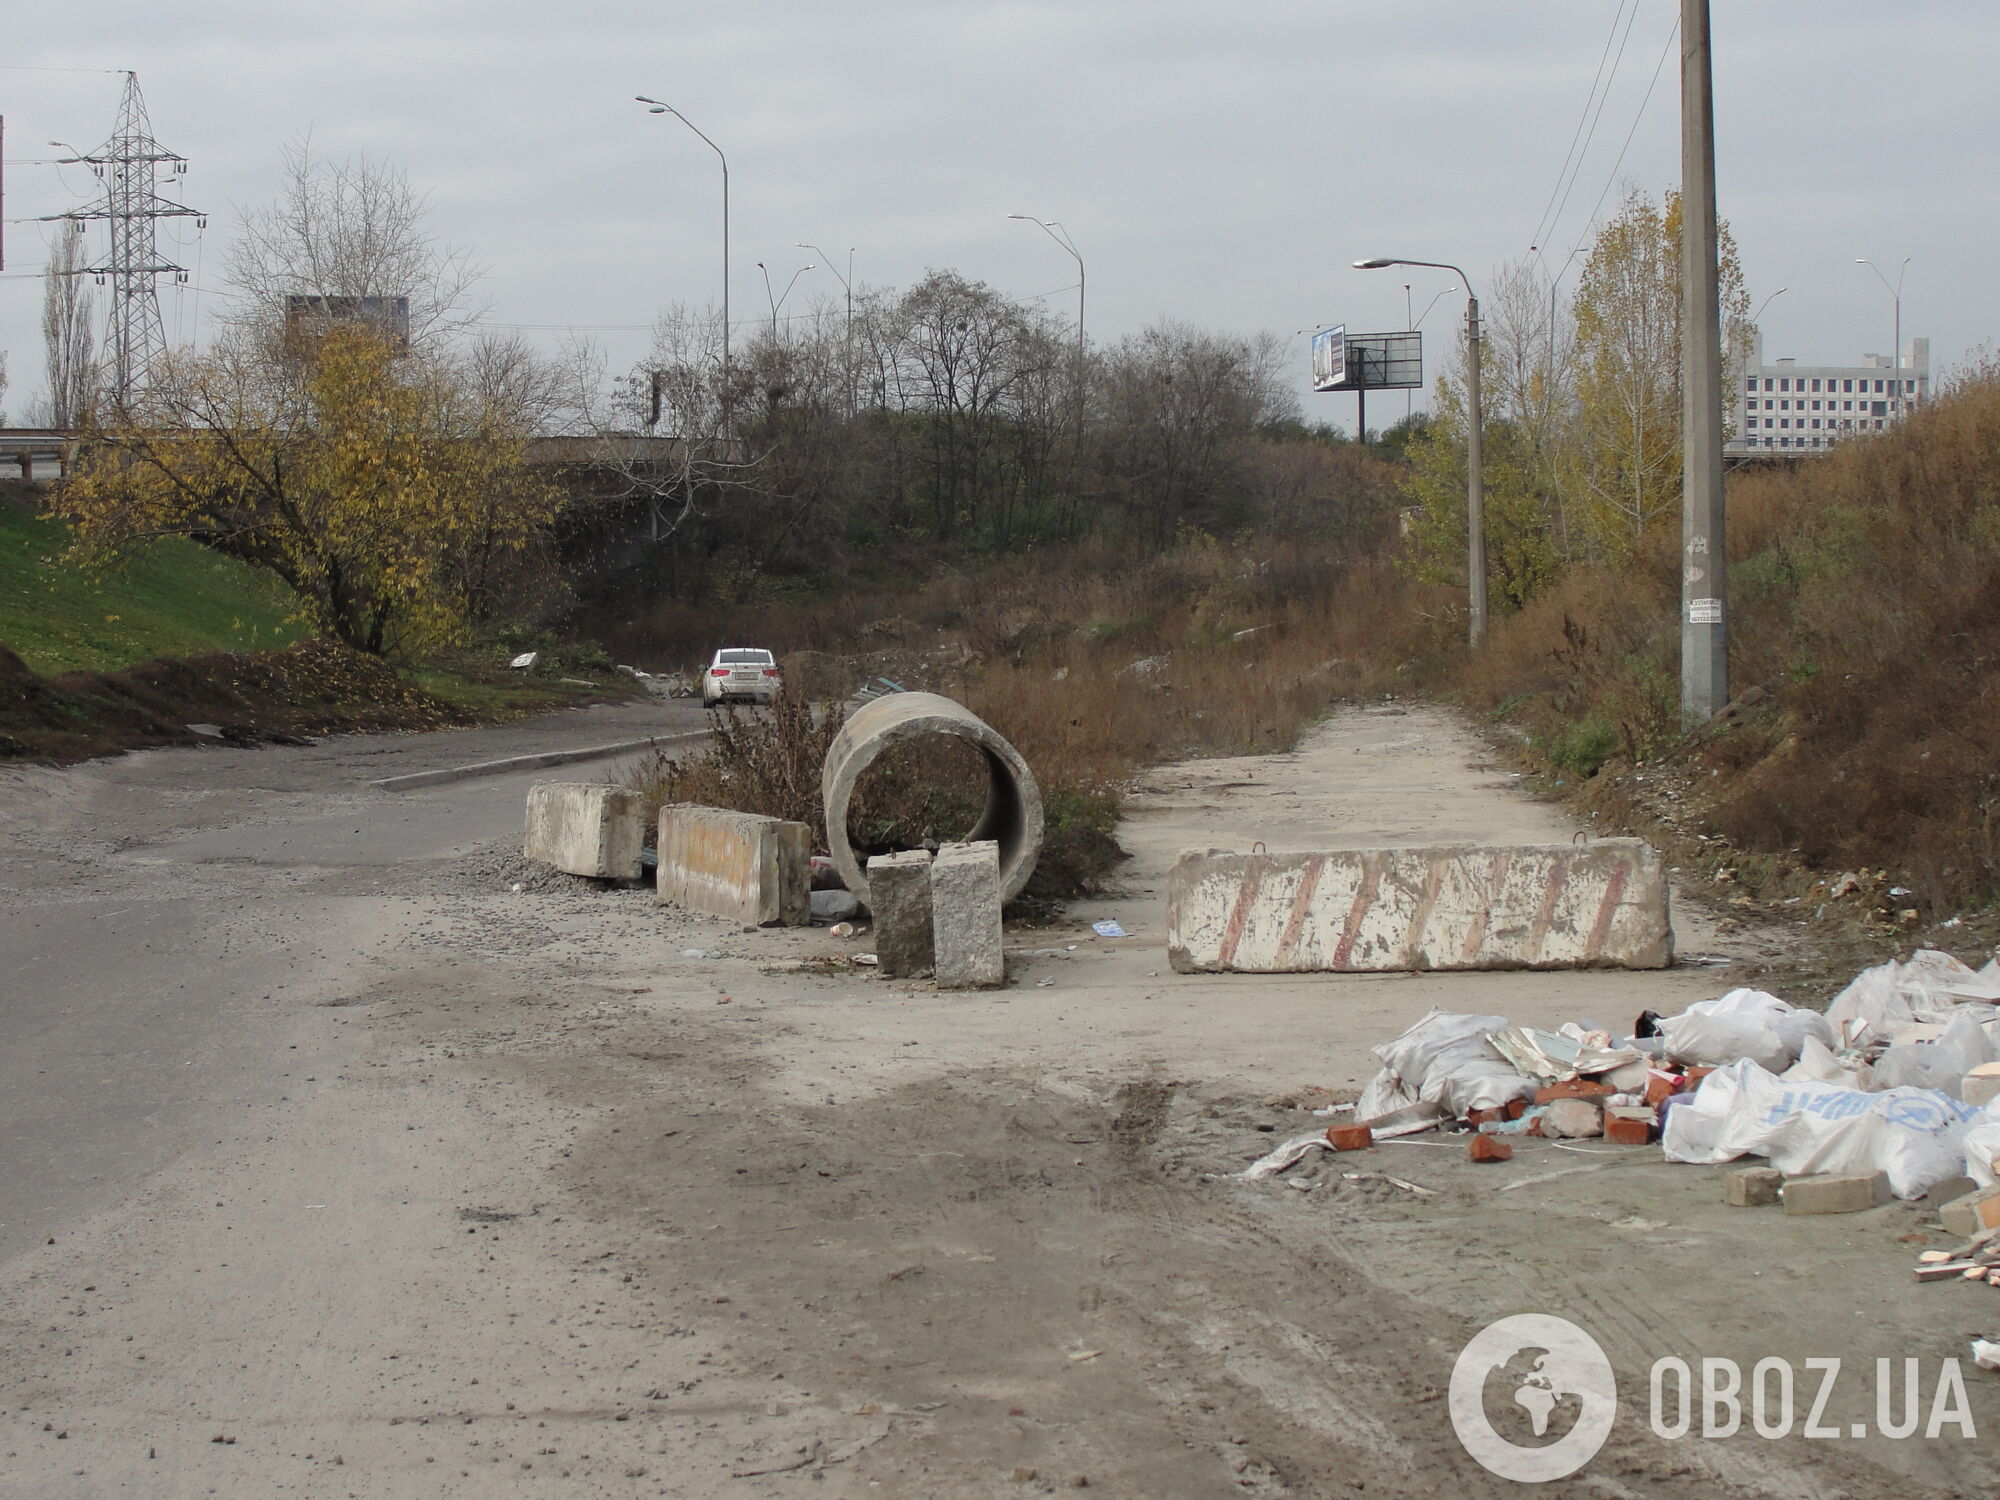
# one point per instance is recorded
(1218, 163)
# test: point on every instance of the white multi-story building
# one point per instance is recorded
(1784, 406)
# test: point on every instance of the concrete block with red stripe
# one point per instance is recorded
(1533, 906)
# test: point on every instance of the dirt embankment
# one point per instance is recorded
(311, 689)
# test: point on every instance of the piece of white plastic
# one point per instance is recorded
(1743, 1024)
(1819, 1064)
(1447, 1061)
(1915, 1135)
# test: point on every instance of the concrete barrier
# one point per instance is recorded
(751, 869)
(1553, 906)
(585, 828)
(1012, 818)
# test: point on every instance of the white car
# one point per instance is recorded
(741, 673)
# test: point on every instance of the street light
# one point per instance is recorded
(1896, 291)
(655, 107)
(1049, 227)
(1766, 303)
(847, 337)
(1475, 490)
(779, 302)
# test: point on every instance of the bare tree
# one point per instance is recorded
(66, 332)
(351, 228)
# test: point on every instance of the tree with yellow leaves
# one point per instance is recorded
(1628, 381)
(383, 486)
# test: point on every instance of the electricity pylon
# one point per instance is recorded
(128, 165)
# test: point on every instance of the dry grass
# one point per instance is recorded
(1092, 664)
(1865, 596)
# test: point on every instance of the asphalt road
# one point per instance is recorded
(167, 917)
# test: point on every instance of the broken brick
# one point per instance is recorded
(1489, 1148)
(1625, 1126)
(1349, 1137)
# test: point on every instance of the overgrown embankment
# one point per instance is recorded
(94, 662)
(1865, 598)
(171, 598)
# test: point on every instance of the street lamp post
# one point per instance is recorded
(1049, 227)
(778, 302)
(1475, 488)
(655, 107)
(1896, 292)
(847, 337)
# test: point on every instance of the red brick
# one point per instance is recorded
(1516, 1108)
(1695, 1076)
(1478, 1117)
(1489, 1148)
(1661, 1087)
(1627, 1130)
(1574, 1088)
(1350, 1137)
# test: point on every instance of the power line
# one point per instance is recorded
(1547, 220)
(1611, 180)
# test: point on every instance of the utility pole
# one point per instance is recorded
(1475, 477)
(1704, 553)
(128, 166)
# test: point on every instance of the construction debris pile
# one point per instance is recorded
(1900, 1077)
(1893, 1091)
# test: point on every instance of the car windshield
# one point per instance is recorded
(743, 658)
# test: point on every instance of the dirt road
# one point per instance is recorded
(554, 1192)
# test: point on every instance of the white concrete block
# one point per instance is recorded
(585, 828)
(1537, 906)
(751, 869)
(965, 916)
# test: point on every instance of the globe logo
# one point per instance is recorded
(1532, 1398)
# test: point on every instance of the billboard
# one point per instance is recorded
(1383, 362)
(1344, 361)
(1330, 359)
(309, 315)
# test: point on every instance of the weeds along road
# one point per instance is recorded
(336, 1166)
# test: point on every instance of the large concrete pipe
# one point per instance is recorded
(1013, 815)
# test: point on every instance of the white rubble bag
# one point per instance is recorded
(1444, 1064)
(1982, 1146)
(1890, 998)
(1743, 1024)
(1917, 1136)
(1942, 1064)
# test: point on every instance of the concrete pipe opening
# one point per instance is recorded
(1013, 813)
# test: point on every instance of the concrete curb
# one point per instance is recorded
(528, 762)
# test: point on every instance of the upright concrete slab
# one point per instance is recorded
(965, 916)
(748, 868)
(585, 828)
(899, 897)
(1534, 906)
